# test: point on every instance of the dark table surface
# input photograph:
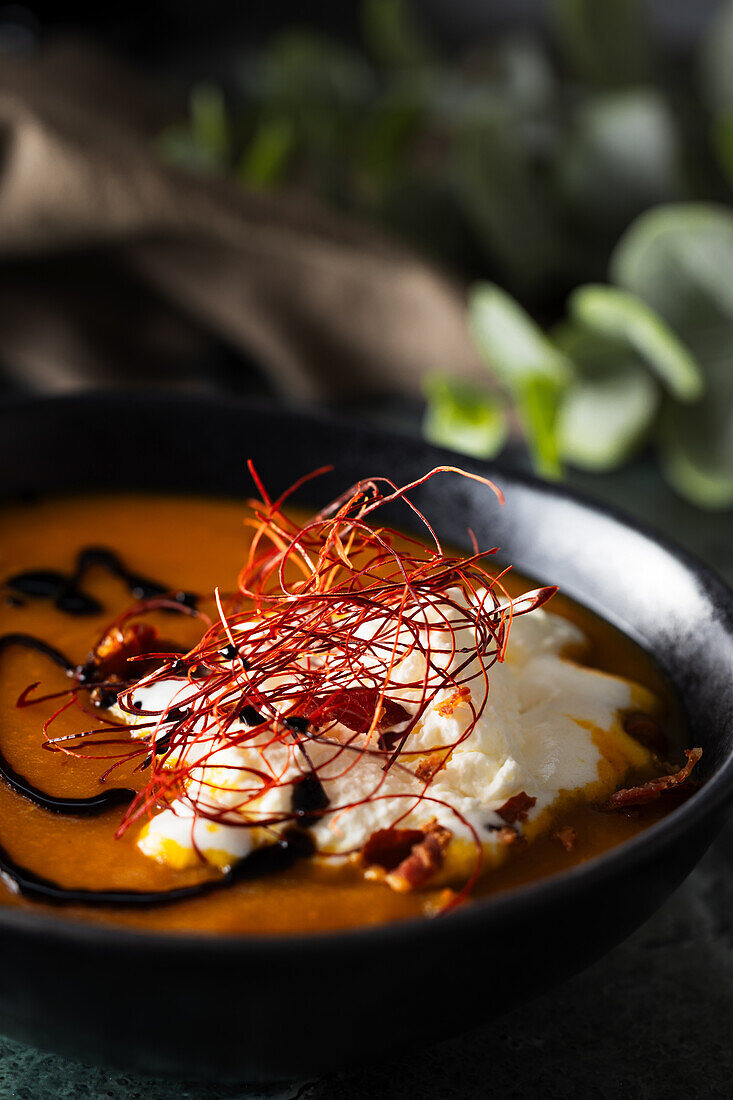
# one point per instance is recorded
(654, 1019)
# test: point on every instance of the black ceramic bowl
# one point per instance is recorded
(272, 1008)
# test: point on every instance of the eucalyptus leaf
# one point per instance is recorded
(265, 160)
(209, 124)
(706, 488)
(531, 367)
(622, 315)
(538, 400)
(696, 445)
(697, 453)
(202, 144)
(522, 72)
(464, 417)
(306, 71)
(383, 137)
(679, 259)
(591, 353)
(321, 88)
(722, 141)
(604, 40)
(603, 419)
(600, 169)
(513, 345)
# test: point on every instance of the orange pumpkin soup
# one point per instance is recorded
(138, 757)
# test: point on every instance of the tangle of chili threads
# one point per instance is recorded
(361, 606)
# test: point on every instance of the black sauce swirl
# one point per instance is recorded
(65, 590)
(39, 888)
(276, 857)
(90, 807)
(309, 798)
(95, 804)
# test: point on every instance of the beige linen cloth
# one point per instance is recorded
(114, 267)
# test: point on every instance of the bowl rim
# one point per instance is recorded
(704, 803)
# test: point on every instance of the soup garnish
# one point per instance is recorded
(363, 702)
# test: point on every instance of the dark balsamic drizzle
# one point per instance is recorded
(309, 798)
(103, 698)
(66, 592)
(49, 584)
(294, 845)
(231, 652)
(264, 861)
(91, 807)
(162, 744)
(96, 804)
(177, 714)
(250, 715)
(296, 722)
(29, 641)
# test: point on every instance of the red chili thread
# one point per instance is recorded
(324, 610)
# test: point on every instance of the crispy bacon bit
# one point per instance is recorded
(567, 837)
(516, 808)
(424, 861)
(355, 709)
(429, 766)
(130, 642)
(387, 848)
(108, 660)
(646, 729)
(446, 708)
(654, 788)
(507, 835)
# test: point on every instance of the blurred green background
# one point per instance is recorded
(578, 176)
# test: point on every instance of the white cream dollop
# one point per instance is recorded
(550, 728)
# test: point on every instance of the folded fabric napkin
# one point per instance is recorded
(114, 266)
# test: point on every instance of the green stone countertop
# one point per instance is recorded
(654, 1019)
